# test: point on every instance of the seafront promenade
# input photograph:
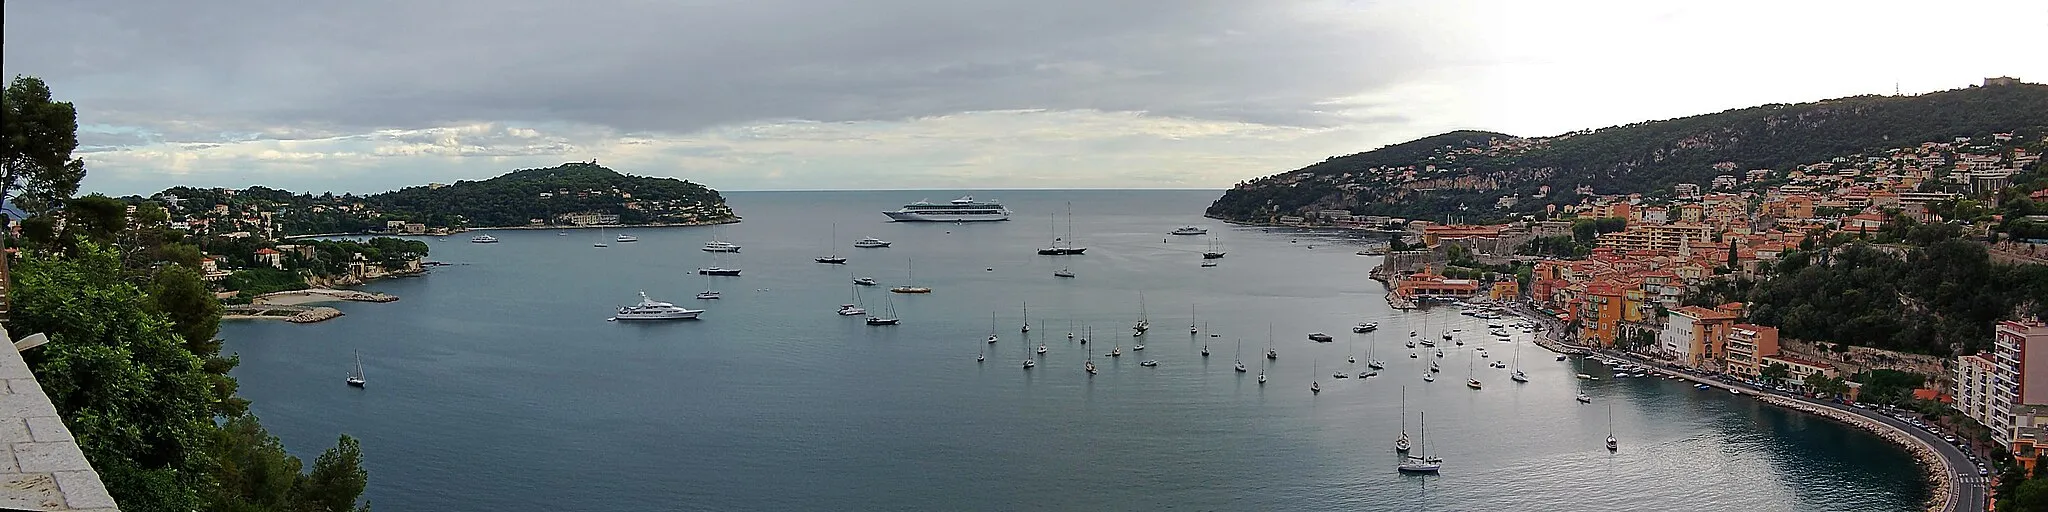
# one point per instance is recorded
(1955, 484)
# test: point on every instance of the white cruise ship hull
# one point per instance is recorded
(941, 216)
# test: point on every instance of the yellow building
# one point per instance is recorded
(1653, 237)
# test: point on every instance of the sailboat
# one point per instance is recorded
(1240, 359)
(1062, 246)
(888, 318)
(1612, 445)
(600, 238)
(355, 378)
(1350, 351)
(716, 245)
(1090, 365)
(1470, 381)
(1313, 386)
(1401, 443)
(1271, 354)
(715, 270)
(1262, 373)
(1143, 324)
(991, 327)
(854, 308)
(1027, 318)
(832, 256)
(1212, 253)
(1518, 376)
(1191, 321)
(1421, 463)
(1028, 363)
(910, 277)
(1370, 361)
(710, 293)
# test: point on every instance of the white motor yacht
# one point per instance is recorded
(721, 246)
(1191, 230)
(851, 310)
(650, 309)
(627, 239)
(871, 243)
(483, 239)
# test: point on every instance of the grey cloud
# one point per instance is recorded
(210, 70)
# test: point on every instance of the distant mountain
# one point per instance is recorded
(564, 194)
(1467, 173)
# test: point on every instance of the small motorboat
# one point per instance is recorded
(871, 243)
(1582, 398)
(1029, 363)
(1063, 273)
(1149, 362)
(1472, 383)
(1585, 377)
(707, 295)
(1365, 327)
(1339, 375)
(1701, 387)
(1518, 377)
(1240, 367)
(1560, 357)
(1428, 377)
(864, 281)
(1320, 337)
(851, 310)
(991, 338)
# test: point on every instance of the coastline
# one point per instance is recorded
(1934, 467)
(734, 220)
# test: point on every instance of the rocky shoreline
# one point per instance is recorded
(1931, 464)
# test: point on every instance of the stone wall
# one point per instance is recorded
(41, 467)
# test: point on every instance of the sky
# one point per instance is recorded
(372, 95)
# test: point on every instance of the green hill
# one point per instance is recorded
(516, 198)
(1467, 172)
(513, 199)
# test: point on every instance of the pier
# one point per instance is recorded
(288, 312)
(297, 297)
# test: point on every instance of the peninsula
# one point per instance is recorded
(569, 195)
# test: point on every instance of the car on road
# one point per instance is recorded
(1950, 439)
(1982, 471)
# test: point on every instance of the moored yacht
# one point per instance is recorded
(871, 243)
(864, 281)
(964, 209)
(650, 309)
(718, 271)
(720, 246)
(627, 239)
(1366, 327)
(1190, 230)
(483, 239)
(851, 310)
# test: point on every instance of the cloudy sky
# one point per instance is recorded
(369, 95)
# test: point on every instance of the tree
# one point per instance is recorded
(132, 394)
(37, 136)
(97, 217)
(337, 479)
(1775, 372)
(2031, 496)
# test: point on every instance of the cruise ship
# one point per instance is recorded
(964, 209)
(650, 309)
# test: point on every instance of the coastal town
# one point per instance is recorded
(1646, 275)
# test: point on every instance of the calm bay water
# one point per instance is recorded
(497, 384)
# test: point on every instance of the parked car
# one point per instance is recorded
(1950, 439)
